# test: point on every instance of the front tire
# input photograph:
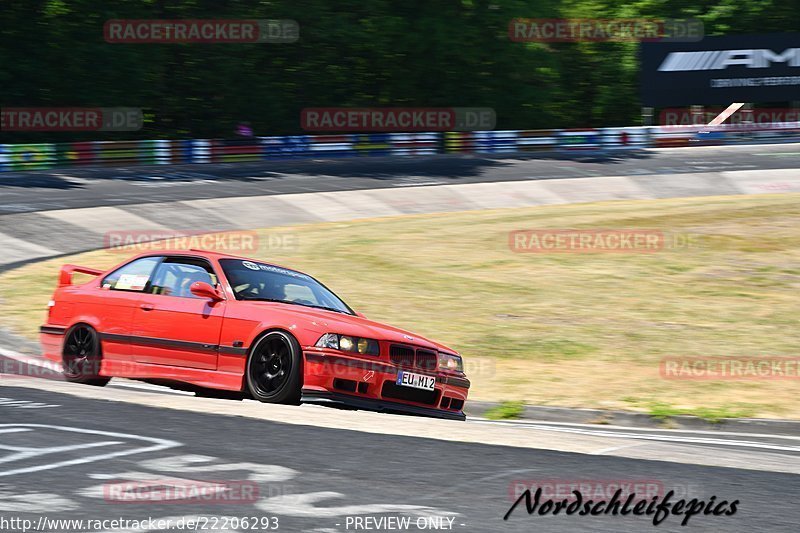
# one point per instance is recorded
(274, 369)
(81, 356)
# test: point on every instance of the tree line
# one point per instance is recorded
(354, 53)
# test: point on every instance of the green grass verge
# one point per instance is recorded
(505, 411)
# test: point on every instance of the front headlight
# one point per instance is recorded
(329, 340)
(348, 343)
(448, 361)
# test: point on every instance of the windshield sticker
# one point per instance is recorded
(277, 270)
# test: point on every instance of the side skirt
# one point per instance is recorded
(211, 379)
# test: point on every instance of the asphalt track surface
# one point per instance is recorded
(57, 454)
(89, 187)
(313, 479)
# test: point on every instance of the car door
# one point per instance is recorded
(173, 326)
(115, 303)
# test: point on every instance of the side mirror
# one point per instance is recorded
(204, 290)
(360, 314)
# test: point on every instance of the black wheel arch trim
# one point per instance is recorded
(53, 330)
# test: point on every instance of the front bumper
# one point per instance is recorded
(371, 385)
(381, 405)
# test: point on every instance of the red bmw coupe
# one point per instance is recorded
(202, 320)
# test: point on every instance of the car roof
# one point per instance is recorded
(195, 252)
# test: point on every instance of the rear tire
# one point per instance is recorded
(81, 356)
(274, 369)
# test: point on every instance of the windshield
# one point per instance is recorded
(259, 281)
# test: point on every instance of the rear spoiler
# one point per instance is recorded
(65, 276)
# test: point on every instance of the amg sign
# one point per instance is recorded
(721, 70)
(722, 59)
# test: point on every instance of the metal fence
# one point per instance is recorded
(151, 152)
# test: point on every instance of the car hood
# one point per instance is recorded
(325, 321)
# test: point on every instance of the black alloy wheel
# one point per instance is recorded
(81, 357)
(274, 369)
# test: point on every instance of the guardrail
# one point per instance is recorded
(164, 152)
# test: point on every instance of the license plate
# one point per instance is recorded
(417, 381)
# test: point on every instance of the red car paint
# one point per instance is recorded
(206, 343)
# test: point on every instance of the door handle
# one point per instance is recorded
(147, 307)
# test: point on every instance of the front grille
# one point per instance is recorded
(407, 356)
(401, 355)
(427, 360)
(393, 390)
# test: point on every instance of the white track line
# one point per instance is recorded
(681, 439)
(537, 424)
(157, 445)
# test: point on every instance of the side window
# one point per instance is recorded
(133, 276)
(174, 277)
